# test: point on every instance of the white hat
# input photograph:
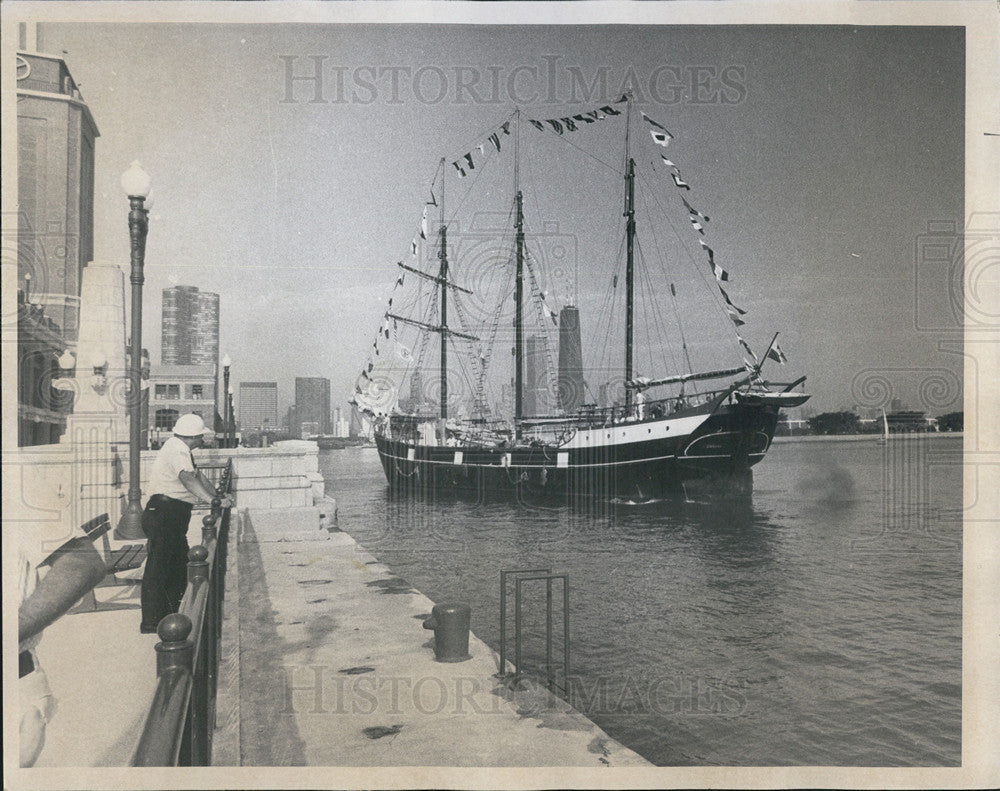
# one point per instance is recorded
(189, 425)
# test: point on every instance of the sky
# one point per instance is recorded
(825, 157)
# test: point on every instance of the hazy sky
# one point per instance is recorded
(823, 155)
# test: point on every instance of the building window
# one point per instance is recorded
(165, 418)
(197, 391)
(161, 392)
(173, 391)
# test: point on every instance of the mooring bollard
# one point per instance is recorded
(450, 623)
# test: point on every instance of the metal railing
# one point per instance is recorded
(535, 575)
(181, 719)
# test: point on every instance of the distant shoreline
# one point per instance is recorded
(867, 437)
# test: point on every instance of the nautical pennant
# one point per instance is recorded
(423, 224)
(611, 110)
(568, 123)
(495, 140)
(777, 355)
(537, 124)
(693, 210)
(669, 163)
(481, 150)
(432, 201)
(505, 127)
(697, 225)
(679, 181)
(720, 274)
(736, 319)
(729, 302)
(586, 119)
(555, 125)
(460, 169)
(468, 158)
(660, 138)
(746, 346)
(661, 127)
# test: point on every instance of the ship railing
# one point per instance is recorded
(591, 416)
(180, 721)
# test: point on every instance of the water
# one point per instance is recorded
(822, 626)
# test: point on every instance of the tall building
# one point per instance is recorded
(312, 404)
(536, 396)
(570, 360)
(189, 327)
(55, 184)
(53, 232)
(258, 406)
(189, 332)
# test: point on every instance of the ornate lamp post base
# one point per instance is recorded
(129, 527)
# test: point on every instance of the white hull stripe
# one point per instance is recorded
(512, 466)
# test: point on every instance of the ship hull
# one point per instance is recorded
(705, 456)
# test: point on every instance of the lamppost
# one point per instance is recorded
(136, 183)
(226, 362)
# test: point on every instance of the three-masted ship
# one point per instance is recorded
(644, 437)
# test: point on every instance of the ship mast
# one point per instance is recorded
(443, 276)
(518, 290)
(629, 255)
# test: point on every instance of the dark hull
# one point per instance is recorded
(640, 460)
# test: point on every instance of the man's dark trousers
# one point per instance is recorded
(165, 522)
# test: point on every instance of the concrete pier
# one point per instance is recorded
(334, 668)
(325, 663)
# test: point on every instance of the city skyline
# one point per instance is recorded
(832, 267)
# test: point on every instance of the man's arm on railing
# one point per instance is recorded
(199, 486)
(76, 567)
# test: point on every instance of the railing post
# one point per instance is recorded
(208, 528)
(198, 575)
(197, 564)
(174, 651)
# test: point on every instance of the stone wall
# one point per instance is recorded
(73, 482)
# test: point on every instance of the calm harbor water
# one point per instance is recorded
(821, 626)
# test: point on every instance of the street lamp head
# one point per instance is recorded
(67, 360)
(99, 360)
(147, 204)
(226, 362)
(136, 181)
(230, 390)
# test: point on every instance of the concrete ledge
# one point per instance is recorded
(283, 524)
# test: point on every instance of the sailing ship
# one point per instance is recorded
(548, 432)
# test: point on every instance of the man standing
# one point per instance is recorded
(175, 486)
